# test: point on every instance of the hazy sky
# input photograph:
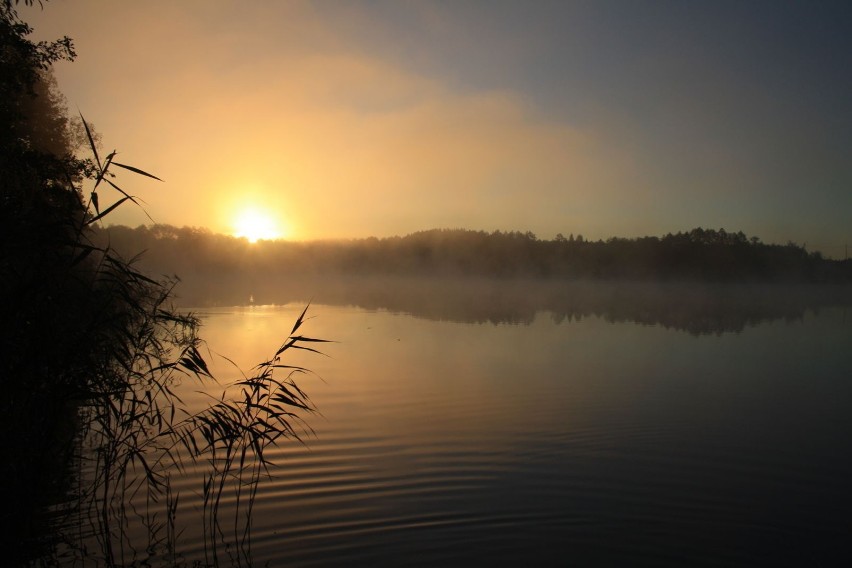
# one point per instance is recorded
(351, 119)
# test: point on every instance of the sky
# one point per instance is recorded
(347, 119)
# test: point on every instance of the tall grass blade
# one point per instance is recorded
(136, 170)
(91, 142)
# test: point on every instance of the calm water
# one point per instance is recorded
(560, 440)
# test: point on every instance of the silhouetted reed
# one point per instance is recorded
(92, 350)
(140, 433)
(136, 430)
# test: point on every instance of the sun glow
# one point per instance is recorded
(256, 224)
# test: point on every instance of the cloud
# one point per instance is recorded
(231, 102)
(348, 143)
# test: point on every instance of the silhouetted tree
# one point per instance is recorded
(700, 254)
(73, 317)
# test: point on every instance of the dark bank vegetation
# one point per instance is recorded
(703, 281)
(700, 254)
(705, 255)
(91, 349)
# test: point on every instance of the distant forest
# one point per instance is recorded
(700, 254)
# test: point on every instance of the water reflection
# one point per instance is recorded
(584, 443)
(573, 439)
(696, 308)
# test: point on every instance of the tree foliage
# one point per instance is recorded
(74, 316)
(90, 346)
(700, 254)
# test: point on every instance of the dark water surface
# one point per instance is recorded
(569, 441)
(574, 441)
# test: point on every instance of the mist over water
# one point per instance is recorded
(701, 281)
(696, 307)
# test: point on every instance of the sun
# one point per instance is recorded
(256, 224)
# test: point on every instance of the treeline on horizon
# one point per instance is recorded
(699, 254)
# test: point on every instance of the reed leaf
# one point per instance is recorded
(136, 170)
(106, 211)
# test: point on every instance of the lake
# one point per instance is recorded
(618, 428)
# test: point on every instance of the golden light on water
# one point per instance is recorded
(254, 223)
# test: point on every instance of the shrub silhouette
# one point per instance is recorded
(90, 347)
